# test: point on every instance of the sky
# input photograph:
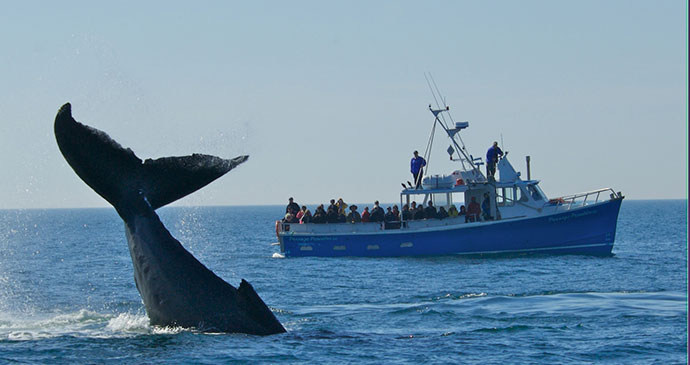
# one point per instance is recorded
(329, 99)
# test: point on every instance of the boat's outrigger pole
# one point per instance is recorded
(451, 132)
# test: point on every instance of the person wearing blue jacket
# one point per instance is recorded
(491, 159)
(417, 168)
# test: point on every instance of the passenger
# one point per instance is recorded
(390, 217)
(332, 214)
(299, 215)
(452, 211)
(332, 206)
(319, 215)
(413, 206)
(442, 213)
(306, 215)
(290, 217)
(396, 212)
(392, 220)
(417, 168)
(365, 215)
(293, 205)
(534, 192)
(491, 160)
(341, 206)
(419, 213)
(486, 208)
(463, 212)
(473, 211)
(353, 216)
(406, 215)
(377, 214)
(430, 211)
(342, 218)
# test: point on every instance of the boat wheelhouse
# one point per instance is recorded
(516, 216)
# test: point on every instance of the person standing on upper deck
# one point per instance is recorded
(491, 159)
(417, 168)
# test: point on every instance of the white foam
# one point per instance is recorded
(82, 323)
(167, 330)
(278, 256)
(127, 322)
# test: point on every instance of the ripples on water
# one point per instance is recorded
(67, 294)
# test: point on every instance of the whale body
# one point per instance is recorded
(176, 288)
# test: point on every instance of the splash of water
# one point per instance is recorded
(82, 323)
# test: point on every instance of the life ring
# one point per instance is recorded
(459, 182)
(556, 201)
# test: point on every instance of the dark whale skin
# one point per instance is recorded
(176, 288)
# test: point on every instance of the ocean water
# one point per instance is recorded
(67, 295)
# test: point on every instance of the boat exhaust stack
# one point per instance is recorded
(529, 175)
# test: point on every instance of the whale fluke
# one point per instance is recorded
(115, 172)
(176, 288)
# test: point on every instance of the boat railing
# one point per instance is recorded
(568, 202)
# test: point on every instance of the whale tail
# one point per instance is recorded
(176, 288)
(118, 175)
(257, 309)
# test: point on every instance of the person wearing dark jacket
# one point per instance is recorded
(406, 214)
(377, 214)
(319, 215)
(332, 214)
(419, 213)
(390, 217)
(486, 208)
(463, 212)
(293, 205)
(430, 211)
(332, 206)
(353, 216)
(442, 213)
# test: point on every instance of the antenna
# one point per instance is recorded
(440, 119)
(433, 94)
(443, 99)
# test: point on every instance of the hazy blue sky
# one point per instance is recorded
(329, 98)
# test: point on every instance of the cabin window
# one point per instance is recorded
(441, 200)
(535, 192)
(521, 194)
(506, 196)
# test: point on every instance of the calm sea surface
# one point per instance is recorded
(67, 295)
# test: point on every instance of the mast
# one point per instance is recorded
(451, 132)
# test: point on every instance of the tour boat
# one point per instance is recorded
(518, 217)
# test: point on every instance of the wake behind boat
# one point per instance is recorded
(507, 215)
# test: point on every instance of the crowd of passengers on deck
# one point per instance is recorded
(340, 212)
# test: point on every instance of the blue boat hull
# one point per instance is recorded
(589, 230)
